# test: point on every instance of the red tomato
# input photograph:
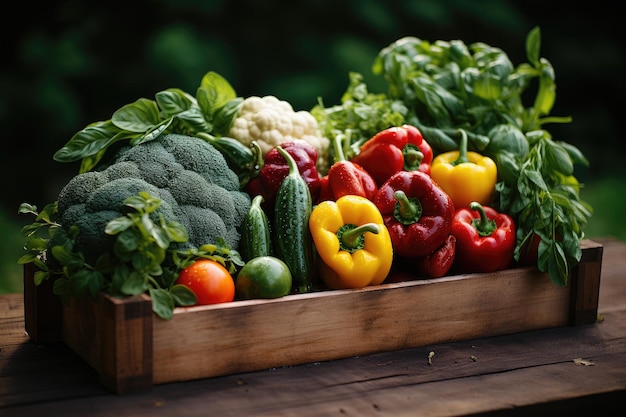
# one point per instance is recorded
(209, 280)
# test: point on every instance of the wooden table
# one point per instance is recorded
(558, 371)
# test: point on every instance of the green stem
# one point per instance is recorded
(205, 136)
(351, 236)
(413, 157)
(258, 156)
(407, 210)
(338, 149)
(485, 226)
(462, 149)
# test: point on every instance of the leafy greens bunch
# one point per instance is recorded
(207, 114)
(446, 87)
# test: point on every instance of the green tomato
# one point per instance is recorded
(263, 277)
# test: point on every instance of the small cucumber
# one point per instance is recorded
(255, 232)
(293, 242)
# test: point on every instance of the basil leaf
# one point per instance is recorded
(557, 158)
(508, 167)
(135, 283)
(487, 86)
(214, 92)
(194, 119)
(507, 137)
(89, 141)
(182, 295)
(162, 303)
(138, 117)
(118, 225)
(173, 101)
(224, 116)
(533, 45)
(536, 178)
(152, 132)
(575, 154)
(86, 281)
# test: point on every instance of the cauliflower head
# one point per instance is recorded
(270, 122)
(191, 177)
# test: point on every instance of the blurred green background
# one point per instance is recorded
(70, 63)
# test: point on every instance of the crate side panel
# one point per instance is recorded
(337, 324)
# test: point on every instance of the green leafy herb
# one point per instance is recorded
(211, 111)
(360, 115)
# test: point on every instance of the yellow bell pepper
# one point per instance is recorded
(464, 175)
(352, 241)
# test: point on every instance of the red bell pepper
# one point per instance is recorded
(417, 213)
(392, 150)
(485, 239)
(345, 178)
(438, 263)
(275, 169)
(434, 265)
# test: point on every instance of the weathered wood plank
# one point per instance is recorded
(332, 325)
(123, 341)
(506, 373)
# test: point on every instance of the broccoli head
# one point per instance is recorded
(190, 176)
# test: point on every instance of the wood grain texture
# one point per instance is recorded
(293, 330)
(131, 349)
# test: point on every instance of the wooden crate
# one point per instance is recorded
(132, 349)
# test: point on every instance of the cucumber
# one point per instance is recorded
(293, 241)
(255, 232)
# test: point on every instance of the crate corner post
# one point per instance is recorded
(42, 308)
(126, 343)
(585, 283)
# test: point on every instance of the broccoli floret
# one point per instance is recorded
(78, 187)
(191, 177)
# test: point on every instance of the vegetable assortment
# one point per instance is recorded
(447, 172)
(445, 88)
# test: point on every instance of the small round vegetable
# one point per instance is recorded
(209, 280)
(263, 277)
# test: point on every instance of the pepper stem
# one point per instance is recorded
(412, 157)
(407, 210)
(462, 149)
(338, 149)
(484, 225)
(258, 157)
(351, 236)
